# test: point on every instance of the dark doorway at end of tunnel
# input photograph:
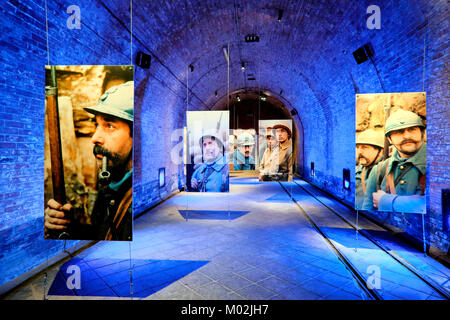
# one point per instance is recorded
(245, 114)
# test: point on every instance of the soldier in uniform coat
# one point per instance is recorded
(398, 183)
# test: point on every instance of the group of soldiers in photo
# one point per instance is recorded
(396, 183)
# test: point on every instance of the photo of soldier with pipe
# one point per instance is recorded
(391, 152)
(89, 152)
(207, 167)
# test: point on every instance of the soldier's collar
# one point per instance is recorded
(115, 185)
(419, 160)
(286, 144)
(218, 164)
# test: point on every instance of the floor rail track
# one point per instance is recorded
(391, 253)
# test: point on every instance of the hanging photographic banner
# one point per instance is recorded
(244, 153)
(391, 152)
(275, 150)
(207, 163)
(89, 115)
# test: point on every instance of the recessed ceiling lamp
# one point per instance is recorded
(280, 14)
(251, 38)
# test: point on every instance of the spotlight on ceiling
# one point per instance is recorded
(215, 93)
(242, 65)
(251, 38)
(191, 67)
(263, 97)
(238, 98)
(143, 60)
(280, 14)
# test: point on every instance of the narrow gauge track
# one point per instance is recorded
(370, 292)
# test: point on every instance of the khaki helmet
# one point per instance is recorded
(371, 137)
(282, 126)
(245, 139)
(117, 101)
(402, 119)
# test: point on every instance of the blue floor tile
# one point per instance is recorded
(212, 214)
(146, 277)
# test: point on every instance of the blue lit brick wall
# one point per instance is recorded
(102, 39)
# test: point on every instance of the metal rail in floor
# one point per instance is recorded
(368, 289)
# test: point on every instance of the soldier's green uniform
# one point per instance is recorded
(409, 193)
(373, 138)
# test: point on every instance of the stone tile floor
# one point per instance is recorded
(264, 249)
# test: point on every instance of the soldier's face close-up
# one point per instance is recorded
(366, 154)
(245, 150)
(282, 135)
(407, 141)
(112, 138)
(211, 149)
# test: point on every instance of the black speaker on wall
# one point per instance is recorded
(363, 53)
(143, 60)
(446, 209)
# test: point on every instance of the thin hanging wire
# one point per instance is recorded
(424, 56)
(131, 32)
(228, 97)
(188, 138)
(48, 241)
(46, 28)
(131, 63)
(131, 271)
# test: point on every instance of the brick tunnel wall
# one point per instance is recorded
(307, 56)
(102, 39)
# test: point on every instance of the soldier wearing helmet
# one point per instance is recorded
(285, 160)
(111, 218)
(369, 152)
(243, 156)
(213, 174)
(268, 168)
(398, 183)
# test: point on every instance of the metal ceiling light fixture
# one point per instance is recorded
(251, 38)
(280, 14)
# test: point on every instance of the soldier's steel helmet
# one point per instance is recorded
(214, 135)
(245, 139)
(372, 137)
(117, 101)
(282, 126)
(402, 119)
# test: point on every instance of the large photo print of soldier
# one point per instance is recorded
(207, 150)
(391, 152)
(89, 115)
(275, 150)
(243, 149)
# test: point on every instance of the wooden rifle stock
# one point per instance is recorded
(51, 96)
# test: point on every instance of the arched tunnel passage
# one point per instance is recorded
(303, 61)
(248, 106)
